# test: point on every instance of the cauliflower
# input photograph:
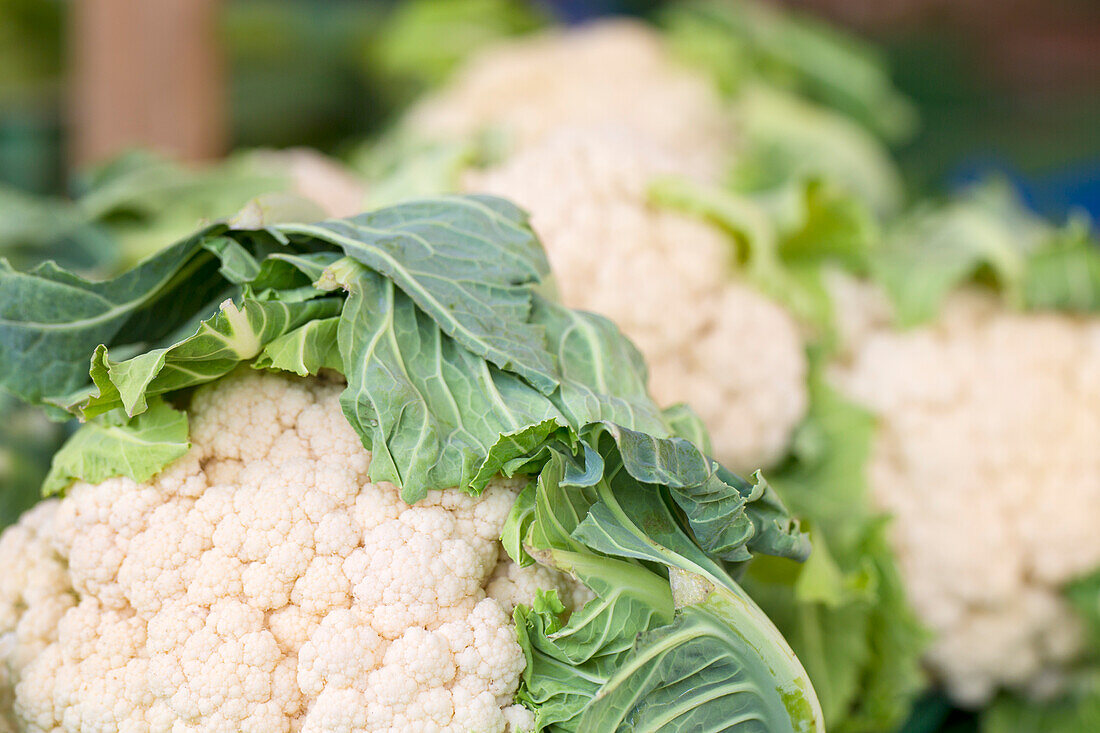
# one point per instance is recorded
(595, 115)
(667, 279)
(615, 71)
(263, 582)
(985, 457)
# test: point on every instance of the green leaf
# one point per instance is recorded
(421, 42)
(1065, 274)
(715, 510)
(437, 415)
(231, 336)
(306, 350)
(783, 238)
(748, 40)
(702, 672)
(688, 425)
(115, 445)
(28, 440)
(1076, 712)
(602, 375)
(34, 229)
(429, 409)
(821, 580)
(745, 219)
(237, 263)
(287, 272)
(428, 169)
(833, 226)
(933, 252)
(988, 237)
(790, 140)
(51, 320)
(844, 611)
(467, 262)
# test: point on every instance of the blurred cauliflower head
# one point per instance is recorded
(666, 279)
(615, 72)
(986, 458)
(315, 177)
(263, 582)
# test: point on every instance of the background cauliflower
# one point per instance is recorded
(985, 457)
(590, 118)
(528, 89)
(263, 582)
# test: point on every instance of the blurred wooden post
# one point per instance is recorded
(146, 73)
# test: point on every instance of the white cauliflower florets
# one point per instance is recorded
(667, 279)
(986, 456)
(264, 583)
(614, 72)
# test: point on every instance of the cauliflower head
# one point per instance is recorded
(985, 456)
(667, 279)
(616, 72)
(264, 583)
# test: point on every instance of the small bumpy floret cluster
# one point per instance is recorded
(667, 279)
(986, 456)
(264, 583)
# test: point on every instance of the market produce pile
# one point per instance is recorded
(232, 556)
(918, 381)
(376, 473)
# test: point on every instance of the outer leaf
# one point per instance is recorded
(731, 656)
(306, 350)
(789, 139)
(704, 672)
(34, 229)
(727, 515)
(50, 320)
(1065, 274)
(28, 440)
(437, 415)
(429, 409)
(1078, 712)
(467, 262)
(688, 425)
(735, 39)
(233, 335)
(930, 255)
(845, 612)
(602, 375)
(114, 445)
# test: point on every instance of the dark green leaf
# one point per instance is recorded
(467, 262)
